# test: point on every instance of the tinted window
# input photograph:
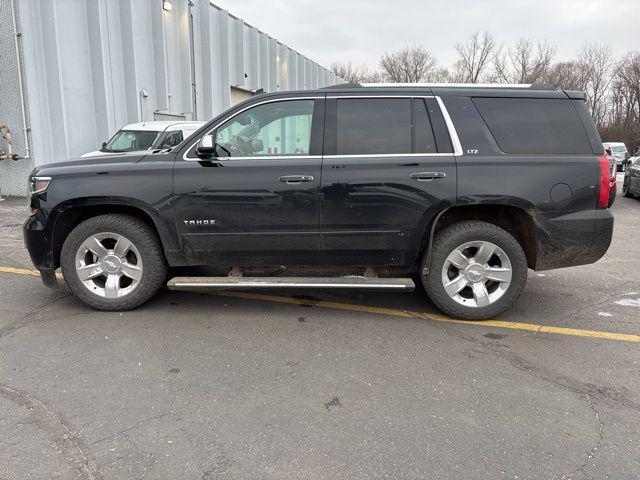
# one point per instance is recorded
(172, 139)
(423, 134)
(440, 131)
(538, 126)
(373, 126)
(271, 129)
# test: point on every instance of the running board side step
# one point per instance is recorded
(239, 283)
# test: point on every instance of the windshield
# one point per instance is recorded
(619, 149)
(131, 140)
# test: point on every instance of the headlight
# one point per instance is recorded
(38, 184)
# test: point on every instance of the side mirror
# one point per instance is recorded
(256, 145)
(206, 147)
(103, 148)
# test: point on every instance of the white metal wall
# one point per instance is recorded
(87, 62)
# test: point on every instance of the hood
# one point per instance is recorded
(100, 153)
(104, 163)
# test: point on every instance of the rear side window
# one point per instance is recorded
(443, 141)
(534, 126)
(423, 140)
(379, 126)
(373, 126)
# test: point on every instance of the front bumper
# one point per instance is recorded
(38, 244)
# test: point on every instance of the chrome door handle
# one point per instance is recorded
(296, 178)
(423, 176)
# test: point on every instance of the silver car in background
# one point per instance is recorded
(619, 152)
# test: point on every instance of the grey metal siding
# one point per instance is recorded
(13, 175)
(87, 64)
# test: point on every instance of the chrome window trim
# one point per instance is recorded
(386, 95)
(386, 155)
(262, 157)
(453, 134)
(455, 140)
(271, 100)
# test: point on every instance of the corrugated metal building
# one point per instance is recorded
(73, 71)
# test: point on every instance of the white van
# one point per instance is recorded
(147, 136)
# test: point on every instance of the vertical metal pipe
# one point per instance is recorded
(17, 35)
(192, 54)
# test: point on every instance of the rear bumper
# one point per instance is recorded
(577, 238)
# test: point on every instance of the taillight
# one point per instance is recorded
(605, 182)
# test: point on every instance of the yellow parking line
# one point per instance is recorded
(20, 271)
(576, 332)
(532, 327)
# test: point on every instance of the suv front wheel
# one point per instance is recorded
(113, 262)
(476, 270)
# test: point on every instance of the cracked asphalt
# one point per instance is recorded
(195, 386)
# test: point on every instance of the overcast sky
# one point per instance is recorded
(361, 30)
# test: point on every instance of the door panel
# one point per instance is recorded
(256, 217)
(373, 212)
(385, 175)
(260, 204)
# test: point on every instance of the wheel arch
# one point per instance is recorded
(515, 219)
(70, 214)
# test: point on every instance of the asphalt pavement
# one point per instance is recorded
(323, 385)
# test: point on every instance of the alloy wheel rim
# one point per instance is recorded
(109, 265)
(477, 274)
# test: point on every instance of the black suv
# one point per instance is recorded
(349, 187)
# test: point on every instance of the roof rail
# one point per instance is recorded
(536, 86)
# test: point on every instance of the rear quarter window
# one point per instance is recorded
(534, 126)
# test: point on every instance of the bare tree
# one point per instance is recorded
(623, 118)
(627, 86)
(566, 76)
(597, 64)
(410, 65)
(524, 62)
(349, 72)
(474, 57)
(440, 75)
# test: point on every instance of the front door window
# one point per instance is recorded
(268, 130)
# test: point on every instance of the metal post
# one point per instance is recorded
(18, 36)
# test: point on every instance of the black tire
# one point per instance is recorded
(625, 188)
(451, 238)
(143, 237)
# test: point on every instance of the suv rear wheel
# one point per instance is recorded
(113, 262)
(476, 270)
